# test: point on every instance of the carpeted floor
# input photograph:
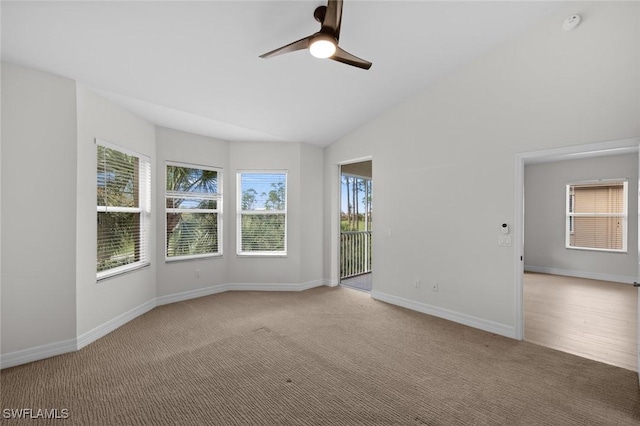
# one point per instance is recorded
(327, 356)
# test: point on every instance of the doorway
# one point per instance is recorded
(567, 287)
(356, 239)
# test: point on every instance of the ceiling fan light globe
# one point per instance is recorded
(322, 48)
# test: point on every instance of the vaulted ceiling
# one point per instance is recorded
(194, 66)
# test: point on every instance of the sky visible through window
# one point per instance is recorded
(198, 183)
(343, 195)
(262, 184)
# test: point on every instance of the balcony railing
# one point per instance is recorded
(355, 253)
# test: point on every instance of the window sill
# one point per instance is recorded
(116, 272)
(194, 257)
(261, 254)
(597, 249)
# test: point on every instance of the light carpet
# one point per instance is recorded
(326, 356)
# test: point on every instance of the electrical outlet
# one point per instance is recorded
(417, 283)
(197, 273)
(504, 240)
(434, 287)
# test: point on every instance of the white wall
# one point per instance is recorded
(267, 156)
(38, 209)
(0, 200)
(444, 170)
(100, 302)
(53, 304)
(311, 221)
(444, 160)
(545, 220)
(179, 276)
(303, 264)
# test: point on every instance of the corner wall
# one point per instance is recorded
(260, 269)
(444, 160)
(311, 222)
(302, 266)
(129, 294)
(56, 306)
(178, 277)
(38, 211)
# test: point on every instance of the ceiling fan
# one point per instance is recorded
(324, 43)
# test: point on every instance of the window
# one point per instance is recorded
(123, 201)
(262, 213)
(597, 215)
(193, 211)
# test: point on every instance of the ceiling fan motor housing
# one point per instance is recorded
(320, 13)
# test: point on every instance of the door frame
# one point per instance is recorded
(335, 237)
(599, 149)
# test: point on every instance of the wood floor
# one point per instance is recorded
(593, 319)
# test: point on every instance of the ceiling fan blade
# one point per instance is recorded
(347, 58)
(333, 18)
(303, 43)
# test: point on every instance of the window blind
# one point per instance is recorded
(123, 208)
(597, 215)
(193, 211)
(262, 212)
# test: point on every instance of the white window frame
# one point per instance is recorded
(570, 223)
(176, 194)
(144, 209)
(571, 200)
(240, 213)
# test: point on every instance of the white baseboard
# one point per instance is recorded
(313, 284)
(191, 294)
(114, 323)
(471, 321)
(275, 287)
(36, 353)
(220, 288)
(333, 282)
(580, 274)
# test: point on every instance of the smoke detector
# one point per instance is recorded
(571, 23)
